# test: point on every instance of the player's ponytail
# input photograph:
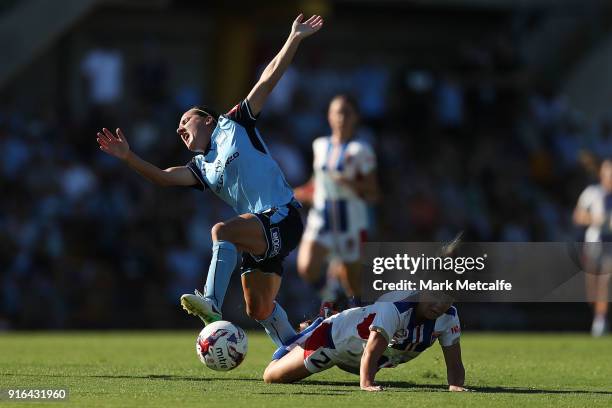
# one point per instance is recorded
(203, 110)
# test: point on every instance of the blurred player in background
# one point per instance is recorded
(365, 339)
(343, 183)
(594, 211)
(234, 162)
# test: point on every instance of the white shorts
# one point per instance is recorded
(342, 244)
(319, 349)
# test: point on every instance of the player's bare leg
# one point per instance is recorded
(349, 274)
(311, 258)
(260, 290)
(288, 369)
(242, 233)
(600, 285)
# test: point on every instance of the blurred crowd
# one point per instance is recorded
(480, 146)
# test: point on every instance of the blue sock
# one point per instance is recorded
(280, 353)
(278, 327)
(222, 265)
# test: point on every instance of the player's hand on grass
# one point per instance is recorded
(115, 145)
(307, 28)
(457, 388)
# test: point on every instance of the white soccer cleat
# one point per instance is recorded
(198, 305)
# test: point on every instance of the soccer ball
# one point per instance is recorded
(221, 346)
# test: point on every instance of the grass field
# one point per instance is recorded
(160, 369)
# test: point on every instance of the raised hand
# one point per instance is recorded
(115, 145)
(304, 29)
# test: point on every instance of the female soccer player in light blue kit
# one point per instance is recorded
(234, 162)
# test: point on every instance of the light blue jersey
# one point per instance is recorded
(238, 167)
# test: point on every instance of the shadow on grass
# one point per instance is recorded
(163, 377)
(397, 386)
(330, 394)
(411, 386)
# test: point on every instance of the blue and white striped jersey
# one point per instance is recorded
(396, 322)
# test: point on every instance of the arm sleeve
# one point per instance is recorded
(196, 165)
(242, 114)
(452, 333)
(386, 321)
(586, 199)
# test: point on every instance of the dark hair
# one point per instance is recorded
(203, 110)
(348, 98)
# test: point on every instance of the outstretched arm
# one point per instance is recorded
(277, 67)
(584, 218)
(305, 192)
(455, 372)
(117, 145)
(374, 349)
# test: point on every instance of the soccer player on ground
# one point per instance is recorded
(365, 339)
(344, 181)
(235, 164)
(594, 211)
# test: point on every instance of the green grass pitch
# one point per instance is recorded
(160, 369)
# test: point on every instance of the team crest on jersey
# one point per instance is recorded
(276, 242)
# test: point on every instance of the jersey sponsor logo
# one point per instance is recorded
(232, 158)
(276, 241)
(220, 168)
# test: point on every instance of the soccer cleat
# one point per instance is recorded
(200, 306)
